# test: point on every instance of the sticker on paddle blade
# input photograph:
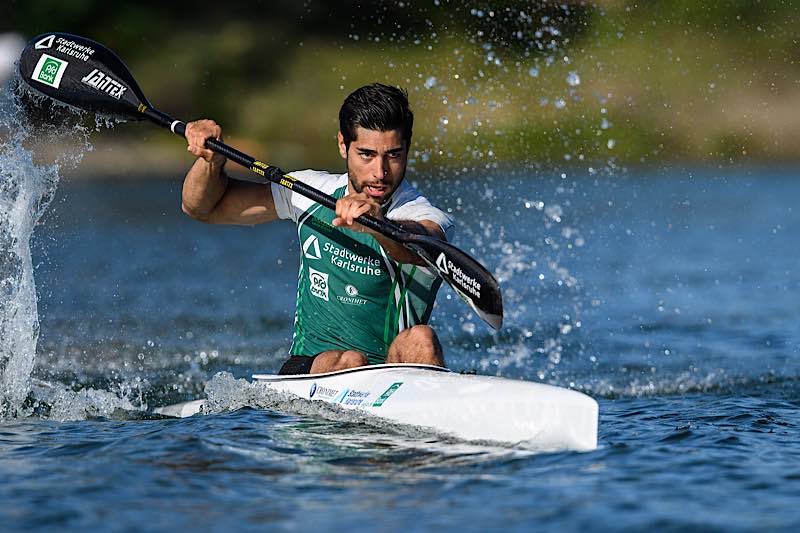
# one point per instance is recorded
(49, 70)
(104, 83)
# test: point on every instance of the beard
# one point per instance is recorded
(358, 187)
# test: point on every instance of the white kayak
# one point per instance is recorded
(466, 406)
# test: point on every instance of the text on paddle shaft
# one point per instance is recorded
(103, 82)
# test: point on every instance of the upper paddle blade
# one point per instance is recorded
(471, 281)
(82, 73)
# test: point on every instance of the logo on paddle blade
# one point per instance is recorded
(459, 278)
(49, 70)
(47, 42)
(104, 83)
(441, 262)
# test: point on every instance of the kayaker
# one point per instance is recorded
(362, 298)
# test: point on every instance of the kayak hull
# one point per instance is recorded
(466, 406)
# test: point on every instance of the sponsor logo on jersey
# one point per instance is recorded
(49, 70)
(104, 83)
(319, 283)
(311, 248)
(352, 262)
(352, 296)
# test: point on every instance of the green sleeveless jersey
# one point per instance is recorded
(350, 294)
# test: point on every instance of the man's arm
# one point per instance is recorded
(210, 196)
(354, 205)
(400, 253)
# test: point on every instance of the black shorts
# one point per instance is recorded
(297, 364)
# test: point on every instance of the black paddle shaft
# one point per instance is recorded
(275, 175)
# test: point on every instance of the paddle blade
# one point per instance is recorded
(468, 278)
(82, 73)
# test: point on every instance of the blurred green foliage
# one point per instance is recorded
(493, 83)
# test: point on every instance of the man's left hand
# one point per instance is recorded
(352, 206)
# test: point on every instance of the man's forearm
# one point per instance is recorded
(203, 187)
(400, 253)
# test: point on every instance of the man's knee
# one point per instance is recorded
(420, 335)
(351, 359)
(334, 360)
(418, 344)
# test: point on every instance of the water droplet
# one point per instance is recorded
(533, 72)
(573, 79)
(430, 82)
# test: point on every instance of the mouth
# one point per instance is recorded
(376, 190)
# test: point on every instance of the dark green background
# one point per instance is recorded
(660, 81)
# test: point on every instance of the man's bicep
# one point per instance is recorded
(245, 203)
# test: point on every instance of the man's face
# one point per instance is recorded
(376, 162)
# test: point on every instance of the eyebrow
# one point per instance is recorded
(370, 151)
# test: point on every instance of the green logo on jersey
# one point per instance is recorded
(388, 392)
(49, 70)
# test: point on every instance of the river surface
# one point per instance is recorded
(669, 296)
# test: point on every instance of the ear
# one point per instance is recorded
(342, 146)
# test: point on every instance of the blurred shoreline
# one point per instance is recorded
(121, 160)
(587, 85)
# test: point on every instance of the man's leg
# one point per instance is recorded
(333, 360)
(417, 344)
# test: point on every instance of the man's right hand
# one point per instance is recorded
(197, 132)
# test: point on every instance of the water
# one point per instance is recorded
(28, 182)
(669, 296)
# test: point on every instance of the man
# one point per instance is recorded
(362, 298)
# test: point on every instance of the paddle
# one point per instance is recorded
(85, 74)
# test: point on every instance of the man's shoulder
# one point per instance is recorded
(289, 204)
(409, 204)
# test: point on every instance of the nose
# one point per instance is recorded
(381, 167)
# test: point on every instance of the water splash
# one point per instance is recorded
(59, 402)
(508, 83)
(29, 175)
